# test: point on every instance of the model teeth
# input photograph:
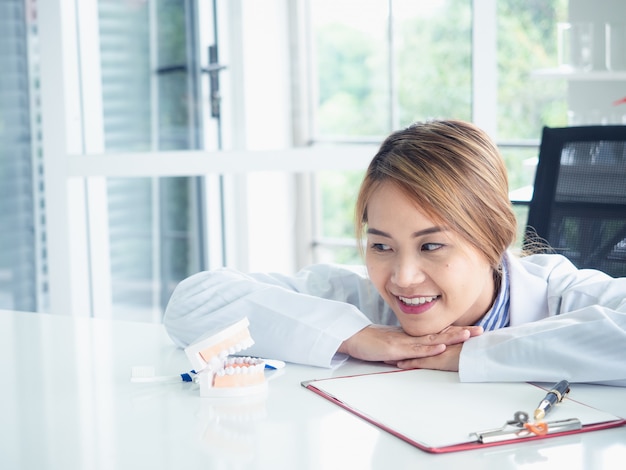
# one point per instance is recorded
(235, 348)
(214, 358)
(242, 365)
(417, 300)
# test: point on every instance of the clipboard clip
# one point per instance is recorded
(520, 428)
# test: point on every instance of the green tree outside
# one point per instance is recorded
(434, 80)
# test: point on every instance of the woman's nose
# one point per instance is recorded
(407, 272)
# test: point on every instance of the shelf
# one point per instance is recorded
(568, 74)
(522, 196)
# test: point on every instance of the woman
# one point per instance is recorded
(440, 291)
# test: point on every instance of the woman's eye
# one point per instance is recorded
(380, 247)
(431, 246)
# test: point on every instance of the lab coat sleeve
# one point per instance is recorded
(582, 338)
(302, 319)
(588, 345)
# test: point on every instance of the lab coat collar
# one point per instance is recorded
(528, 289)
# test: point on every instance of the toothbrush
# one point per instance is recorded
(273, 364)
(146, 374)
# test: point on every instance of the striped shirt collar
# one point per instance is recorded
(498, 316)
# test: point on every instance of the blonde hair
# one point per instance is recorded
(455, 175)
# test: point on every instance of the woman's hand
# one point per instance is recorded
(447, 360)
(392, 345)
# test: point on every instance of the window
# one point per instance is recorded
(392, 64)
(402, 61)
(133, 197)
(116, 246)
(138, 196)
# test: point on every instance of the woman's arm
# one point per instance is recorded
(301, 319)
(588, 345)
(305, 319)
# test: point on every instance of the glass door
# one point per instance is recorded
(106, 78)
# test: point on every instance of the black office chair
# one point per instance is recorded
(579, 200)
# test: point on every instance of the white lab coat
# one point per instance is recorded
(565, 323)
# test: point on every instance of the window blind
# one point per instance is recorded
(153, 222)
(18, 263)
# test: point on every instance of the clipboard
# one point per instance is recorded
(435, 412)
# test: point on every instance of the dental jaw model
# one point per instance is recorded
(219, 374)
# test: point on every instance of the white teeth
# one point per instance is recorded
(225, 364)
(417, 300)
(254, 368)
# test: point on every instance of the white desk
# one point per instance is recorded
(67, 403)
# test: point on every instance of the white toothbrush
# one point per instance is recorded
(146, 374)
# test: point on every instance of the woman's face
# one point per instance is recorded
(430, 276)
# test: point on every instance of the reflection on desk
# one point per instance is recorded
(68, 403)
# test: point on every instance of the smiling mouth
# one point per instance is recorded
(417, 300)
